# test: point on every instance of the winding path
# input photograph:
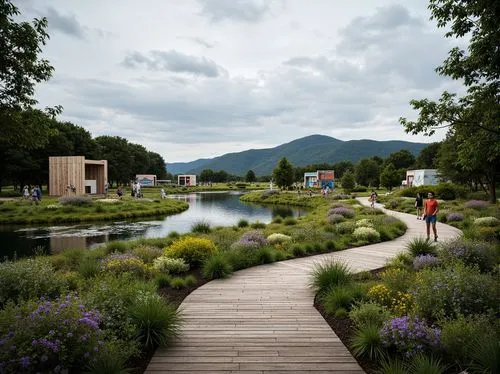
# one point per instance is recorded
(262, 319)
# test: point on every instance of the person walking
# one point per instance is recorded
(430, 215)
(419, 203)
(26, 192)
(373, 199)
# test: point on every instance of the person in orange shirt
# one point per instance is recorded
(430, 215)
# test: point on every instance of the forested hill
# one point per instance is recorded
(314, 149)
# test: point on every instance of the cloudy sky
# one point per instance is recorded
(194, 79)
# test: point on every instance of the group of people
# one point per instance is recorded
(35, 193)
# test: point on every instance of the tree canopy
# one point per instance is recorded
(283, 174)
(472, 119)
(21, 68)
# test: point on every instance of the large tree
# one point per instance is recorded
(367, 172)
(250, 177)
(472, 119)
(283, 174)
(390, 177)
(21, 67)
(427, 158)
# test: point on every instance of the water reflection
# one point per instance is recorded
(215, 208)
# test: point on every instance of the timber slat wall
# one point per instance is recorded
(66, 170)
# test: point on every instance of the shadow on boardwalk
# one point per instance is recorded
(262, 319)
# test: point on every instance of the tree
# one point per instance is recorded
(348, 182)
(367, 173)
(427, 158)
(207, 175)
(157, 166)
(402, 159)
(116, 150)
(283, 174)
(20, 69)
(390, 177)
(472, 119)
(250, 177)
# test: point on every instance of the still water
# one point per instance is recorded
(216, 208)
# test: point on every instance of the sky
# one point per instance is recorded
(193, 79)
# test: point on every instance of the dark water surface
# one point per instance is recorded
(216, 208)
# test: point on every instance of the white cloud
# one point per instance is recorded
(196, 79)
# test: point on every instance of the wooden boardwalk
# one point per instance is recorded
(262, 319)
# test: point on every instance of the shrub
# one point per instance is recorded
(88, 268)
(147, 253)
(217, 266)
(76, 200)
(156, 320)
(402, 261)
(367, 343)
(399, 302)
(112, 358)
(393, 366)
(341, 197)
(485, 355)
(487, 221)
(457, 289)
(162, 280)
(426, 365)
(117, 246)
(454, 217)
(201, 227)
(258, 225)
(191, 249)
(277, 219)
(169, 265)
(342, 296)
(28, 278)
(476, 204)
(365, 314)
(346, 212)
(330, 245)
(178, 283)
(397, 279)
(420, 246)
(277, 238)
(366, 233)
(117, 263)
(346, 227)
(298, 250)
(289, 221)
(242, 223)
(335, 218)
(423, 261)
(470, 252)
(459, 336)
(268, 193)
(60, 335)
(365, 222)
(329, 274)
(410, 336)
(264, 255)
(251, 240)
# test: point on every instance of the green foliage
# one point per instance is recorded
(201, 227)
(88, 268)
(147, 253)
(390, 177)
(250, 177)
(191, 249)
(264, 255)
(329, 274)
(393, 366)
(367, 343)
(397, 279)
(289, 221)
(258, 225)
(28, 278)
(278, 238)
(346, 227)
(348, 181)
(459, 336)
(217, 266)
(117, 246)
(169, 265)
(283, 174)
(342, 296)
(470, 253)
(157, 322)
(486, 354)
(419, 246)
(242, 223)
(422, 364)
(367, 173)
(76, 200)
(111, 359)
(366, 234)
(178, 283)
(364, 314)
(117, 263)
(454, 290)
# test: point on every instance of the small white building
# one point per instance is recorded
(421, 177)
(186, 180)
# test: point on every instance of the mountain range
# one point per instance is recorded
(313, 149)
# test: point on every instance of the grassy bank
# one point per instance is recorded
(84, 209)
(116, 289)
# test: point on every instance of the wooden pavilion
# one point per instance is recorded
(74, 175)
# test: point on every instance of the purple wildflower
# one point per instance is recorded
(425, 261)
(25, 362)
(346, 212)
(453, 217)
(476, 204)
(252, 240)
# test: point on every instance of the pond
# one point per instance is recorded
(216, 208)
